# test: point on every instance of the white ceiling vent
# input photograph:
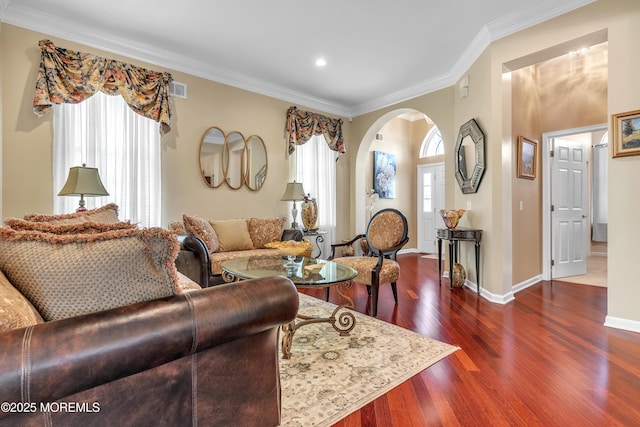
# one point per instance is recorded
(177, 89)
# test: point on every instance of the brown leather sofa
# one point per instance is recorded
(206, 358)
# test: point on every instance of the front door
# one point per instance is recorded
(569, 214)
(430, 202)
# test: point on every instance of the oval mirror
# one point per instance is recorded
(256, 162)
(233, 160)
(212, 148)
(469, 152)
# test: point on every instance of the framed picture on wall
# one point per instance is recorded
(626, 134)
(527, 157)
(384, 174)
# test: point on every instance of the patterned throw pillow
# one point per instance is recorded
(107, 213)
(73, 274)
(265, 230)
(201, 228)
(177, 227)
(15, 310)
(76, 228)
(233, 234)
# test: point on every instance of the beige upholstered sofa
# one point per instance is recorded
(98, 328)
(206, 244)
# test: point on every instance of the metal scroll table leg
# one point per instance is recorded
(343, 323)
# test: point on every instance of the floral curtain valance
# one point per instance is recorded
(66, 76)
(302, 125)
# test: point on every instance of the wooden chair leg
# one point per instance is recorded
(326, 294)
(369, 290)
(374, 300)
(394, 289)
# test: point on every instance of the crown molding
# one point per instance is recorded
(79, 33)
(58, 27)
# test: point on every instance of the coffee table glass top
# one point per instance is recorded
(303, 273)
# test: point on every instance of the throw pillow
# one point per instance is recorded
(77, 228)
(265, 230)
(15, 310)
(74, 274)
(107, 213)
(233, 234)
(177, 227)
(201, 228)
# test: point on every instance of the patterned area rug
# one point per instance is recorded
(328, 376)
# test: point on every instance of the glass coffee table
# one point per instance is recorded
(304, 273)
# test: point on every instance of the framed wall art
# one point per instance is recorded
(384, 174)
(527, 157)
(626, 134)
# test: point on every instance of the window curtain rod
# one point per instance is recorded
(69, 77)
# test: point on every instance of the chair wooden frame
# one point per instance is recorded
(388, 253)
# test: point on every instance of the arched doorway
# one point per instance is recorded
(400, 132)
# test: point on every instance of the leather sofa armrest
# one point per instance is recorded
(53, 360)
(193, 259)
(290, 234)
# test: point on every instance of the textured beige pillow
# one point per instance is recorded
(201, 228)
(265, 230)
(73, 274)
(233, 234)
(107, 213)
(15, 310)
(76, 228)
(177, 227)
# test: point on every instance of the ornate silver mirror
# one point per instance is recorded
(469, 161)
(233, 160)
(212, 148)
(256, 163)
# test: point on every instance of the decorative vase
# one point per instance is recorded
(310, 214)
(459, 275)
(451, 217)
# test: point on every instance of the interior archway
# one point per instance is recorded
(362, 163)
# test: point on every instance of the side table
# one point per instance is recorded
(318, 236)
(455, 236)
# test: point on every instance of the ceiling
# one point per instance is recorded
(378, 52)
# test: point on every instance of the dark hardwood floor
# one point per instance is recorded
(543, 360)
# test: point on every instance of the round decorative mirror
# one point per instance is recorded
(256, 163)
(233, 160)
(469, 161)
(212, 148)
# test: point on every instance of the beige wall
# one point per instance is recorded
(558, 94)
(27, 168)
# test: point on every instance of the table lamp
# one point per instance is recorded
(83, 181)
(293, 192)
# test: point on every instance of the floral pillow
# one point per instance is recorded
(265, 230)
(201, 228)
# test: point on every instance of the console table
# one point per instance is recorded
(455, 236)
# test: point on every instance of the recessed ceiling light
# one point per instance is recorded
(320, 62)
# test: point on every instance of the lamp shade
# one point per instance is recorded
(83, 181)
(294, 191)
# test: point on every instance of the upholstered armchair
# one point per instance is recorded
(386, 234)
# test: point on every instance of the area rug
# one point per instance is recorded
(328, 376)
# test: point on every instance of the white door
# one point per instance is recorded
(569, 208)
(430, 201)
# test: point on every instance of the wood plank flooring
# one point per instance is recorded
(543, 360)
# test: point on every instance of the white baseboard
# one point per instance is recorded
(619, 323)
(527, 283)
